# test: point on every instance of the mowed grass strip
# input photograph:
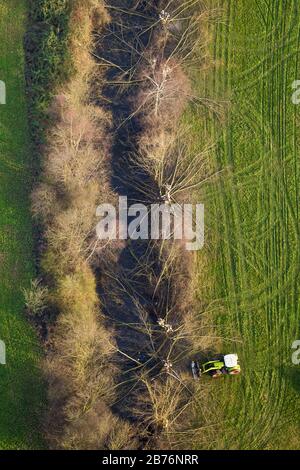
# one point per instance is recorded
(21, 388)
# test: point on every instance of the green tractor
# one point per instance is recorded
(226, 365)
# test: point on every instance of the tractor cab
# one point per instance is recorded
(227, 365)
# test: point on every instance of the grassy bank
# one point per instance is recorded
(20, 382)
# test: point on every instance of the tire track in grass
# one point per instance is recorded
(279, 238)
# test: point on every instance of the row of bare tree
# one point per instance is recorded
(154, 48)
(121, 321)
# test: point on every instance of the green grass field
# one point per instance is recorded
(253, 221)
(21, 388)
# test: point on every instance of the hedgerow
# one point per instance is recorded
(79, 365)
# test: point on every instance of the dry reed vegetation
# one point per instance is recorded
(74, 181)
